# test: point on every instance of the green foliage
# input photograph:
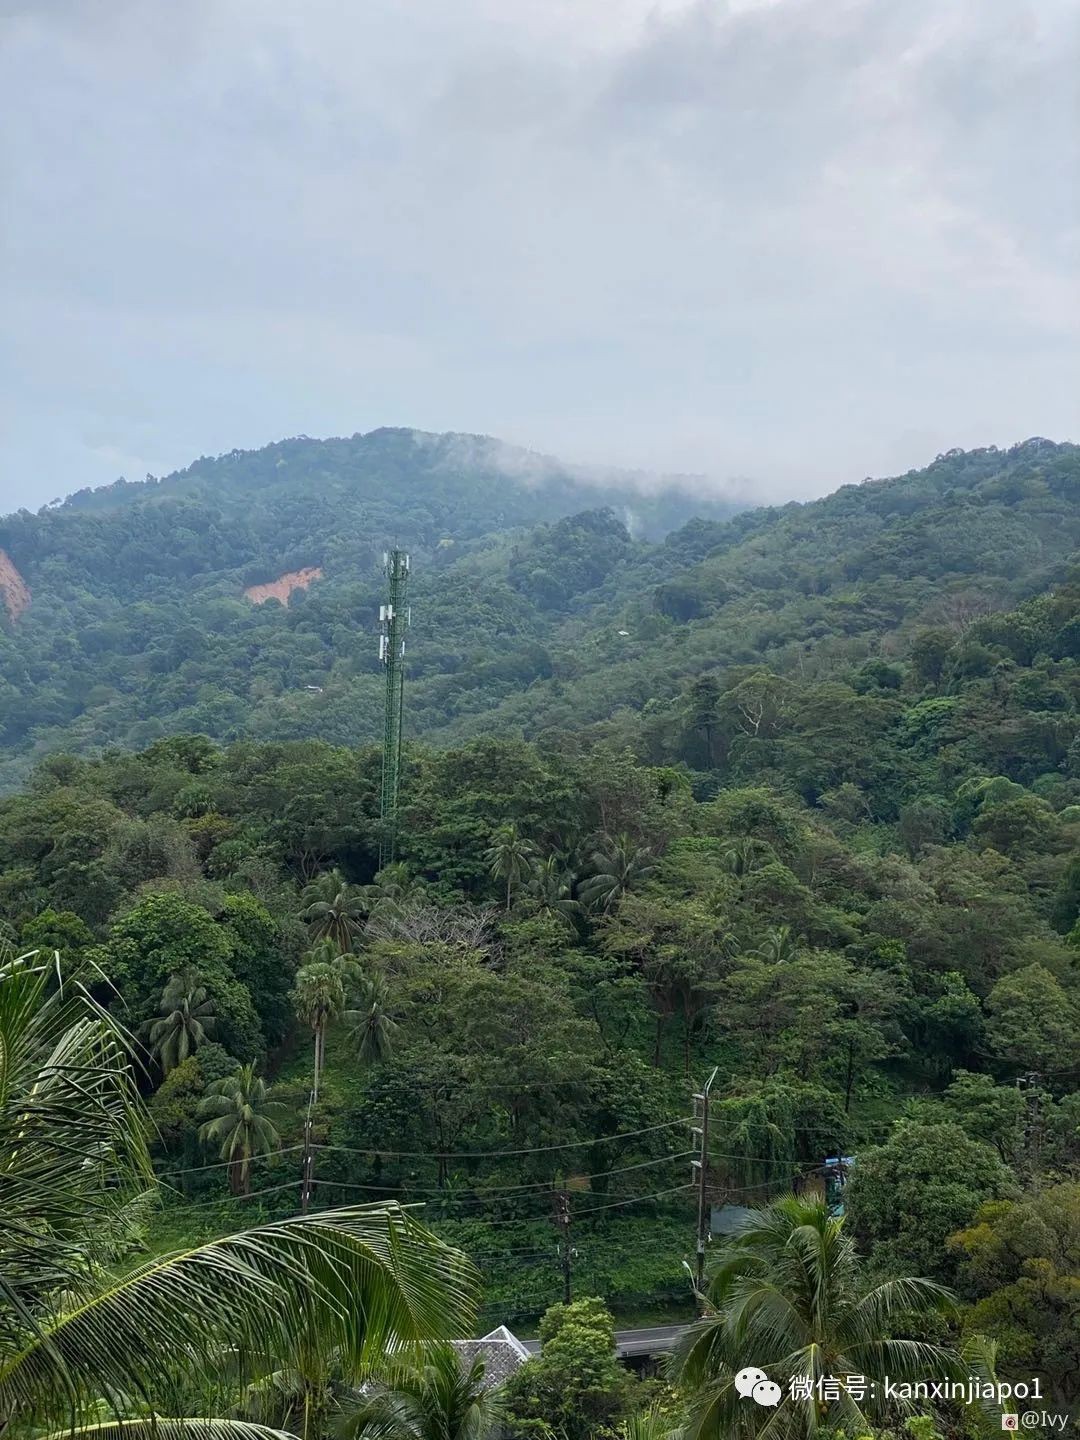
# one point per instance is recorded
(1020, 1262)
(238, 1118)
(906, 1197)
(185, 1019)
(575, 1385)
(166, 935)
(93, 1340)
(436, 1398)
(795, 796)
(787, 1290)
(1032, 1021)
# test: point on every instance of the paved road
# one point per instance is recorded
(631, 1344)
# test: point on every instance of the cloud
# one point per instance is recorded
(801, 240)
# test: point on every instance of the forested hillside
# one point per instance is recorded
(138, 626)
(131, 610)
(813, 819)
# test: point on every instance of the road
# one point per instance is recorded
(633, 1344)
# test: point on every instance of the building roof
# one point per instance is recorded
(501, 1351)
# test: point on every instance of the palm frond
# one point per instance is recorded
(169, 1427)
(361, 1279)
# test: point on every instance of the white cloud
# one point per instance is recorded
(801, 240)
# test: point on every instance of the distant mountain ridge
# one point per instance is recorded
(299, 504)
(412, 453)
(537, 606)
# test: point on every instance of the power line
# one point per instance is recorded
(224, 1199)
(222, 1164)
(499, 1154)
(592, 1210)
(635, 1200)
(524, 1191)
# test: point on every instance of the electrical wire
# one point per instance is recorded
(635, 1200)
(512, 1191)
(223, 1199)
(221, 1164)
(499, 1154)
(541, 1219)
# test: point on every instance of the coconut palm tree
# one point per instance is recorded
(370, 1026)
(93, 1349)
(185, 1019)
(617, 865)
(388, 895)
(509, 858)
(778, 946)
(786, 1295)
(439, 1398)
(335, 910)
(651, 1424)
(551, 885)
(318, 996)
(744, 855)
(239, 1119)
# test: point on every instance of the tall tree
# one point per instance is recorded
(318, 997)
(617, 865)
(787, 1295)
(334, 910)
(185, 1019)
(509, 858)
(371, 1027)
(551, 885)
(239, 1119)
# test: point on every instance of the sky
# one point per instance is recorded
(792, 242)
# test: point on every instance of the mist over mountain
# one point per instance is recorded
(239, 596)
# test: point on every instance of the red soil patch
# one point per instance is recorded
(283, 586)
(14, 590)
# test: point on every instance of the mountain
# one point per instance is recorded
(239, 597)
(135, 609)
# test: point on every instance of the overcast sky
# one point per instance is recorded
(799, 241)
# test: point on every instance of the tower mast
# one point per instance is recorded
(393, 622)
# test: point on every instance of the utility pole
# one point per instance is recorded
(562, 1220)
(307, 1182)
(393, 622)
(700, 1167)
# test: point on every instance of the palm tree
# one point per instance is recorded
(440, 1398)
(318, 996)
(551, 885)
(617, 865)
(785, 1294)
(509, 857)
(241, 1123)
(778, 946)
(744, 855)
(371, 1028)
(649, 1425)
(334, 910)
(92, 1349)
(185, 1019)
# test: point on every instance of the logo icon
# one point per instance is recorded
(746, 1379)
(754, 1384)
(766, 1392)
(1010, 1422)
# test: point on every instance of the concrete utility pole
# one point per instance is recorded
(394, 619)
(562, 1220)
(307, 1182)
(700, 1166)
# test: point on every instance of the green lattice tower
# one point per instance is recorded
(393, 622)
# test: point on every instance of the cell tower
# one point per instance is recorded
(393, 622)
